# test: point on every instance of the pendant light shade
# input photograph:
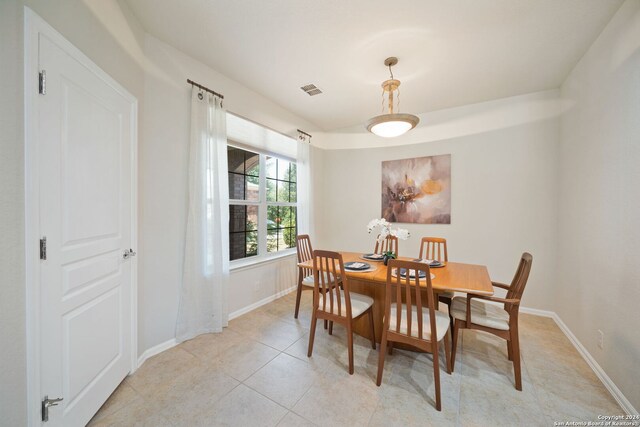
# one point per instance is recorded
(391, 124)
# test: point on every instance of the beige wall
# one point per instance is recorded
(13, 387)
(598, 285)
(504, 198)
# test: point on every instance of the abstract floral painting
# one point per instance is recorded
(417, 190)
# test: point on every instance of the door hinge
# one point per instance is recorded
(42, 82)
(46, 404)
(43, 248)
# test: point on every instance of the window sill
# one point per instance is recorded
(244, 264)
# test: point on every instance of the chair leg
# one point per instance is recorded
(373, 332)
(330, 327)
(509, 350)
(456, 330)
(448, 301)
(436, 380)
(383, 350)
(390, 347)
(447, 351)
(350, 345)
(312, 333)
(326, 323)
(515, 349)
(298, 296)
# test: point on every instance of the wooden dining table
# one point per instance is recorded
(454, 276)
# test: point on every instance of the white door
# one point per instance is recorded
(84, 140)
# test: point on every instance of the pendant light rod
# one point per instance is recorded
(391, 124)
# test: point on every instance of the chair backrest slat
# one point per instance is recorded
(434, 248)
(389, 243)
(413, 290)
(305, 252)
(519, 282)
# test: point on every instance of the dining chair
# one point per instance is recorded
(389, 243)
(305, 275)
(337, 304)
(436, 248)
(415, 323)
(474, 312)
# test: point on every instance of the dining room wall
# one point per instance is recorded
(598, 282)
(504, 187)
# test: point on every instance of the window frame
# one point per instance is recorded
(262, 204)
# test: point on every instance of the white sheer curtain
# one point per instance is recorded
(204, 294)
(304, 187)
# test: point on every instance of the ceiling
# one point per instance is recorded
(451, 52)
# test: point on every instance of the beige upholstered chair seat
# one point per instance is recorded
(482, 313)
(359, 304)
(308, 281)
(442, 322)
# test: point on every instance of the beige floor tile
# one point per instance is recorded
(575, 398)
(193, 394)
(123, 396)
(483, 343)
(199, 381)
(284, 380)
(294, 420)
(208, 346)
(267, 329)
(279, 334)
(157, 373)
(408, 393)
(138, 414)
(243, 407)
(284, 308)
(552, 362)
(243, 359)
(350, 403)
(330, 352)
(488, 394)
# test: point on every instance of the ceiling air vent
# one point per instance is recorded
(311, 89)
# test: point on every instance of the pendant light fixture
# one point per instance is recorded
(391, 124)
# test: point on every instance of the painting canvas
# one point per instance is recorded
(417, 190)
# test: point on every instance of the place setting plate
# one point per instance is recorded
(373, 257)
(358, 267)
(412, 273)
(432, 262)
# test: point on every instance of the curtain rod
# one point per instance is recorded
(301, 132)
(205, 88)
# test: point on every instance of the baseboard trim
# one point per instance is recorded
(538, 312)
(591, 361)
(156, 349)
(260, 303)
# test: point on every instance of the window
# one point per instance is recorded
(262, 204)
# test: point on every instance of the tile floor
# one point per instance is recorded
(256, 373)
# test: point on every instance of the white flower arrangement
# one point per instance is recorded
(386, 230)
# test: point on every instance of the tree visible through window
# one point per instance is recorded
(262, 205)
(281, 204)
